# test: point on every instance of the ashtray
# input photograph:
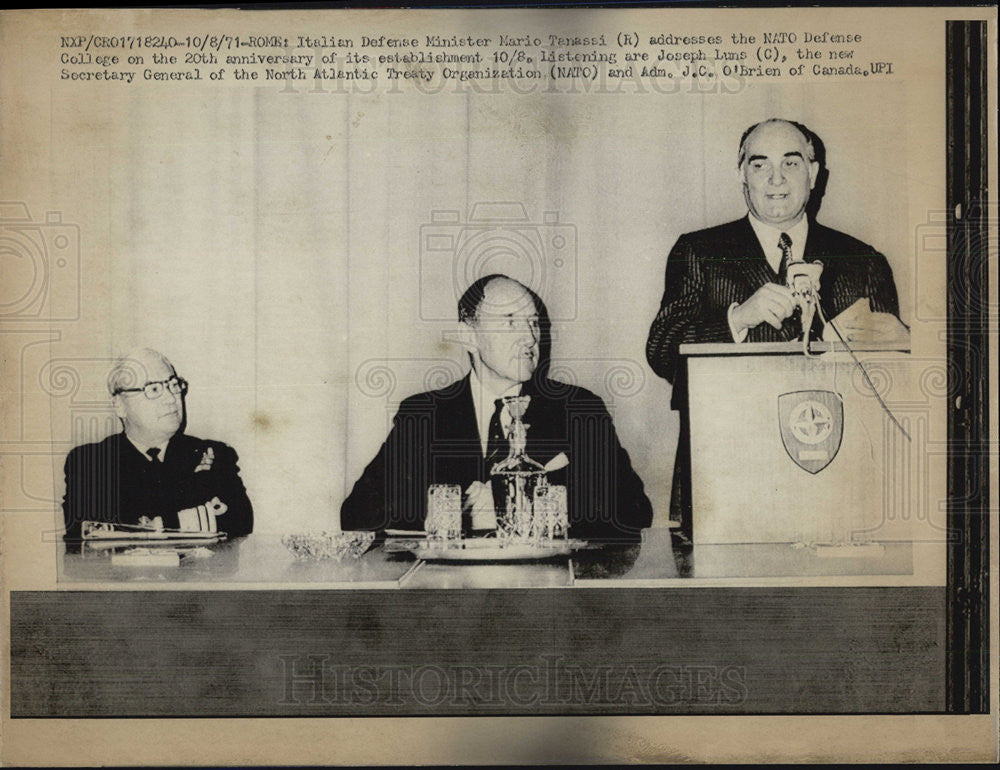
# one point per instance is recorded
(309, 546)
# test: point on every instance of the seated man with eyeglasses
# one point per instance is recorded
(152, 473)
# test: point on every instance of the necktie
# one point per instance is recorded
(154, 455)
(497, 446)
(785, 244)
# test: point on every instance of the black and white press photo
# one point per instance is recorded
(604, 373)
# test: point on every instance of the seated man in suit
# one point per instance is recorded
(152, 472)
(728, 283)
(456, 434)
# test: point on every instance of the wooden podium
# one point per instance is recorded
(789, 448)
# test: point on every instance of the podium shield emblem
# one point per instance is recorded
(812, 426)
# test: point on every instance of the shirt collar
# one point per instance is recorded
(483, 403)
(143, 450)
(768, 236)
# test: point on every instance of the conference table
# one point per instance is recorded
(262, 560)
(243, 629)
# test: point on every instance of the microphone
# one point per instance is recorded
(802, 279)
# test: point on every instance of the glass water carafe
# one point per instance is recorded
(514, 480)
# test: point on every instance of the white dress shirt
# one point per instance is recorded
(768, 237)
(484, 402)
(144, 450)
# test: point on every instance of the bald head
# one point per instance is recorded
(496, 293)
(136, 368)
(804, 132)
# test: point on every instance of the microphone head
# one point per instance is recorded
(803, 277)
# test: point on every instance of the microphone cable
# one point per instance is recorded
(864, 371)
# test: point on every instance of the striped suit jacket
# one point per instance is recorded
(710, 269)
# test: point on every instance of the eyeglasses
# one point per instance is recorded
(153, 390)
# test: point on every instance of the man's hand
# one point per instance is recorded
(479, 500)
(201, 518)
(770, 304)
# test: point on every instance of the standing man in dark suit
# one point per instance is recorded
(727, 283)
(456, 434)
(152, 473)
